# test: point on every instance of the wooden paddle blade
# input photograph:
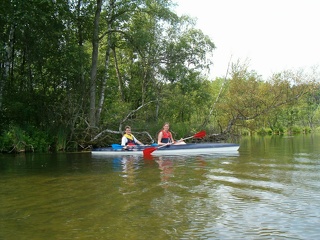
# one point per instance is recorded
(200, 134)
(148, 151)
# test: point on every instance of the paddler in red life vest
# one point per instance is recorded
(165, 136)
(128, 139)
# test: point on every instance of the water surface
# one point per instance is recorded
(270, 189)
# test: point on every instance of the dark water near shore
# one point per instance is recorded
(270, 189)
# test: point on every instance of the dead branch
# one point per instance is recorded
(219, 95)
(100, 134)
(17, 148)
(131, 113)
(103, 132)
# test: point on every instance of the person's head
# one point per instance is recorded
(166, 126)
(127, 129)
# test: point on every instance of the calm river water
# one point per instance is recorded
(270, 189)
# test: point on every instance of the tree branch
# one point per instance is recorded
(96, 137)
(131, 113)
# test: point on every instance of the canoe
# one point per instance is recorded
(183, 149)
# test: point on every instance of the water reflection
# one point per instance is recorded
(269, 190)
(166, 170)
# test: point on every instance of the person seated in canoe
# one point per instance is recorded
(128, 140)
(165, 136)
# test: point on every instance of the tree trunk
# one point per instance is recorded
(118, 74)
(94, 66)
(107, 60)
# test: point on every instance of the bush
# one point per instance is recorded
(307, 130)
(264, 131)
(245, 132)
(294, 130)
(15, 140)
(278, 130)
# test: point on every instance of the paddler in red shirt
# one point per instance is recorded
(165, 136)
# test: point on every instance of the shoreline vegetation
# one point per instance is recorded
(21, 146)
(73, 74)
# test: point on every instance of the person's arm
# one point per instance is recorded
(172, 140)
(137, 141)
(123, 141)
(159, 138)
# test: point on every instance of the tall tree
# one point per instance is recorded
(93, 75)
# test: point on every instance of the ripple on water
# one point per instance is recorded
(269, 200)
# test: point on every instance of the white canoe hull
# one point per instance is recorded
(185, 149)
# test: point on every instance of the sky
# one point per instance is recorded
(269, 35)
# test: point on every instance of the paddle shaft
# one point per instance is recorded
(185, 138)
(148, 151)
(197, 135)
(161, 146)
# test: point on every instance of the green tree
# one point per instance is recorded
(249, 98)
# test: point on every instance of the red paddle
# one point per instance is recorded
(200, 134)
(150, 150)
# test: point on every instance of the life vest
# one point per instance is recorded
(166, 137)
(130, 139)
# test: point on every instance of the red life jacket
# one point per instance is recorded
(166, 137)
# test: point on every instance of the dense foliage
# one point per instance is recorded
(73, 73)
